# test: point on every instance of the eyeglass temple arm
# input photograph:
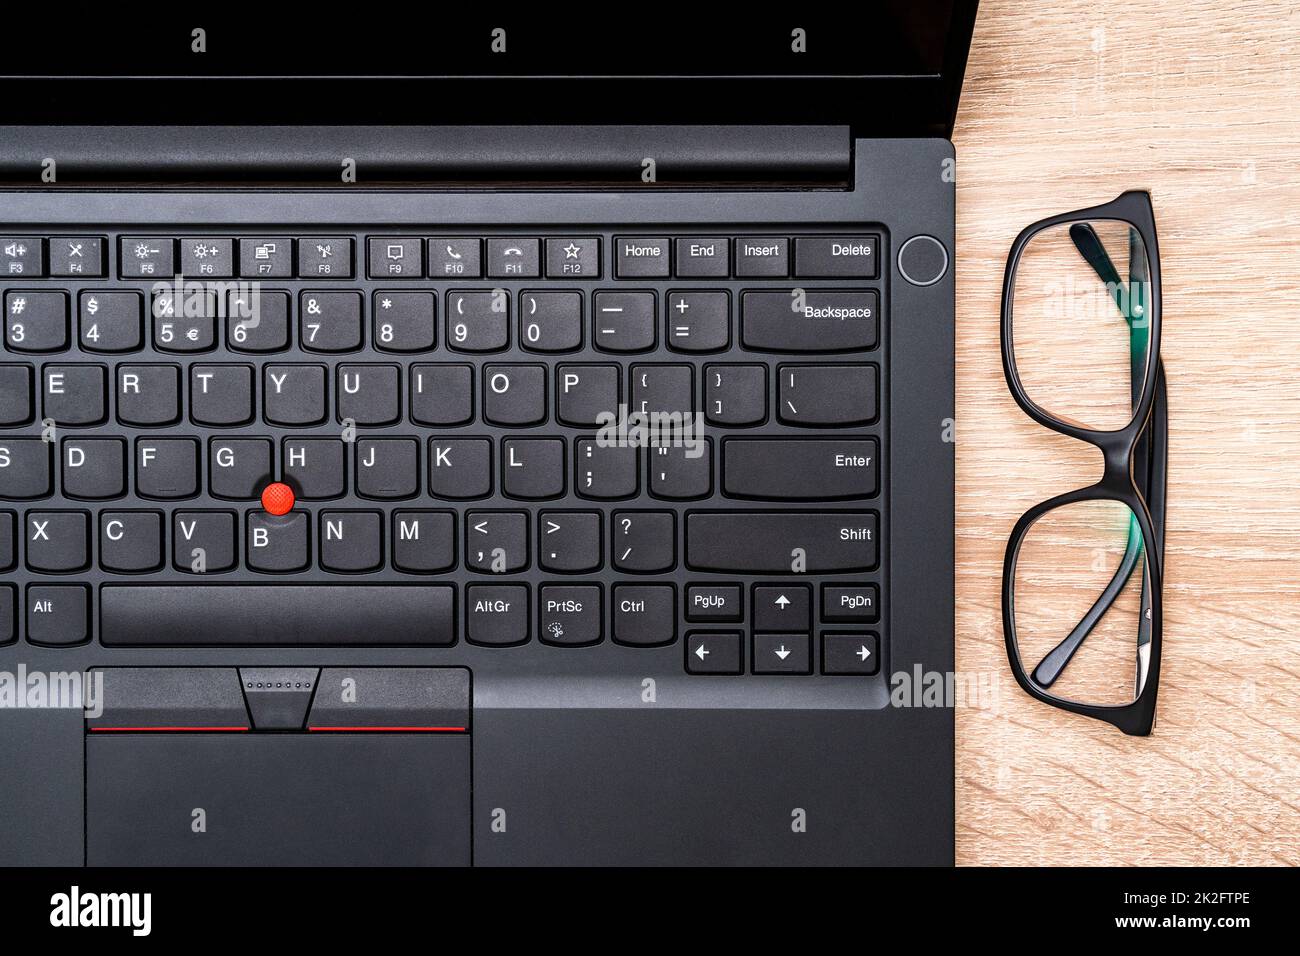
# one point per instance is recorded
(1155, 448)
(1093, 251)
(1051, 666)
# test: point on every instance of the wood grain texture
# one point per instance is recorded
(1065, 106)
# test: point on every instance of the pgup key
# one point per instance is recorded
(496, 542)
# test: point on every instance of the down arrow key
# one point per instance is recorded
(782, 654)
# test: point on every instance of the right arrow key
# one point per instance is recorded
(850, 653)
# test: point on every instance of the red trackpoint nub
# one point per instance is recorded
(277, 498)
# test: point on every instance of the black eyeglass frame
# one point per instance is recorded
(1132, 454)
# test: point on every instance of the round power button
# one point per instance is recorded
(923, 260)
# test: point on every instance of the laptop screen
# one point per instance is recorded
(624, 64)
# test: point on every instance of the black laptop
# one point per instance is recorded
(503, 443)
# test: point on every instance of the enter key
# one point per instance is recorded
(799, 469)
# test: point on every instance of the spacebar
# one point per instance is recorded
(279, 615)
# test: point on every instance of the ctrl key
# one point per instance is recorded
(713, 652)
(57, 614)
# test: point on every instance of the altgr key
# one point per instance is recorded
(496, 614)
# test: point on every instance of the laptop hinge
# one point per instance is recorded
(411, 155)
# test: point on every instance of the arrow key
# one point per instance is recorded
(846, 653)
(784, 609)
(713, 652)
(782, 654)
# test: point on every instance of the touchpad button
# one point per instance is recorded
(265, 766)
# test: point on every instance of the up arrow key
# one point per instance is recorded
(781, 602)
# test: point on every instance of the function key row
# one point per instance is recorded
(457, 257)
(307, 257)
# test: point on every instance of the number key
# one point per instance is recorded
(258, 321)
(110, 321)
(36, 321)
(478, 321)
(550, 321)
(330, 321)
(404, 321)
(186, 324)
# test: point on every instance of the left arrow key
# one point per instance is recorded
(713, 652)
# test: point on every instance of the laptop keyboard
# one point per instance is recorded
(489, 438)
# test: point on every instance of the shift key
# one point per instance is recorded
(781, 542)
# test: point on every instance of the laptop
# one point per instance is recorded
(548, 461)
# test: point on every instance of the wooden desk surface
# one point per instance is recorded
(1066, 105)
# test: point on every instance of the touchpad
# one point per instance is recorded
(340, 791)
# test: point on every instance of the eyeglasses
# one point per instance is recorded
(1081, 354)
